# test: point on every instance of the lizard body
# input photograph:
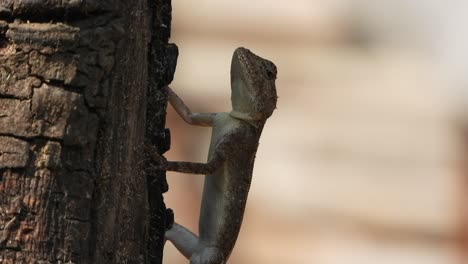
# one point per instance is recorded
(231, 156)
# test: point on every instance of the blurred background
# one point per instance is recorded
(363, 161)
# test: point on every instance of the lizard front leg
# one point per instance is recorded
(190, 167)
(216, 159)
(197, 119)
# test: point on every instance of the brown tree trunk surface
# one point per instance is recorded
(76, 77)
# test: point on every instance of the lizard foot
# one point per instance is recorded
(153, 154)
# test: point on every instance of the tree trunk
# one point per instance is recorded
(80, 90)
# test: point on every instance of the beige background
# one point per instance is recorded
(358, 163)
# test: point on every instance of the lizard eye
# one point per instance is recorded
(270, 69)
(270, 75)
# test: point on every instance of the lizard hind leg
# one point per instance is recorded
(208, 255)
(183, 239)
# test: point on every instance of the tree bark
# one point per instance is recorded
(80, 92)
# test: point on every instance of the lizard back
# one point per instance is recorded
(226, 190)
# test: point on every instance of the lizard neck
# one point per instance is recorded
(254, 120)
(245, 116)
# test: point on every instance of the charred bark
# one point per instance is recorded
(162, 59)
(80, 89)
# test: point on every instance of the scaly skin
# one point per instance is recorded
(231, 158)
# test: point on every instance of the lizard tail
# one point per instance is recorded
(183, 239)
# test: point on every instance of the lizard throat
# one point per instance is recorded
(246, 116)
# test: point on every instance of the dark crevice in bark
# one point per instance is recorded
(11, 96)
(3, 26)
(3, 38)
(74, 89)
(31, 139)
(5, 13)
(16, 249)
(61, 84)
(79, 89)
(3, 41)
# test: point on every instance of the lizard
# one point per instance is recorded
(228, 171)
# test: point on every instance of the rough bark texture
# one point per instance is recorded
(74, 91)
(162, 63)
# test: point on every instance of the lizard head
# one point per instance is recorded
(253, 87)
